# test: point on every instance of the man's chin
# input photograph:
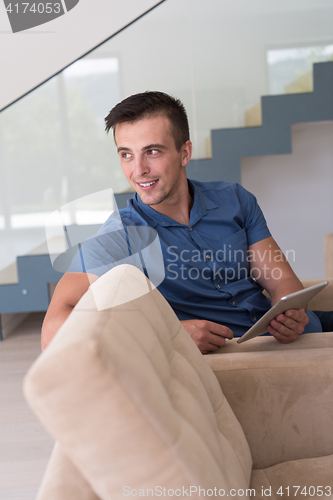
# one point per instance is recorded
(146, 201)
(150, 201)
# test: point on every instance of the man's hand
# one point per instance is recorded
(288, 326)
(272, 271)
(208, 336)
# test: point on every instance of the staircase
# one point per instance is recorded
(273, 137)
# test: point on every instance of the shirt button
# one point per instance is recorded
(218, 286)
(254, 318)
(233, 302)
(207, 257)
(190, 229)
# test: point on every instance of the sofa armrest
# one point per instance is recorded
(281, 394)
(324, 300)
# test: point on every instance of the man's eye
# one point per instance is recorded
(152, 151)
(125, 155)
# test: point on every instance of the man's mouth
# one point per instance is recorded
(147, 184)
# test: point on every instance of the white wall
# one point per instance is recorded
(213, 54)
(295, 193)
(29, 57)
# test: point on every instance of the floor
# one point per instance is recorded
(25, 446)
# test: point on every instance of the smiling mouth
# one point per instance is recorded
(146, 184)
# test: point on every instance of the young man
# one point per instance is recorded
(218, 252)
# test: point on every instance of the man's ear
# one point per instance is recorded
(186, 152)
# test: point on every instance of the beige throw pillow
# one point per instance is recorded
(131, 400)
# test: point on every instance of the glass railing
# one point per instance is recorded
(217, 57)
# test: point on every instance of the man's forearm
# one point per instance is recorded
(52, 324)
(272, 270)
(67, 294)
(285, 286)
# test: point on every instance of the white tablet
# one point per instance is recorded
(295, 300)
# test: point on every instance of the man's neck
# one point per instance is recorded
(180, 210)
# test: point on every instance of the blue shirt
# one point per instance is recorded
(201, 269)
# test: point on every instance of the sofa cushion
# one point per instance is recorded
(298, 479)
(130, 398)
(281, 394)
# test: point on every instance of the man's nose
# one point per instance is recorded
(141, 166)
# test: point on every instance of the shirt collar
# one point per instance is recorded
(201, 204)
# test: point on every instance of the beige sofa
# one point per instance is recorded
(138, 411)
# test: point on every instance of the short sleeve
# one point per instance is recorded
(119, 241)
(108, 248)
(255, 222)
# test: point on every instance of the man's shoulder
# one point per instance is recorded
(214, 185)
(224, 193)
(221, 190)
(127, 216)
(233, 188)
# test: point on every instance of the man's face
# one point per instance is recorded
(151, 162)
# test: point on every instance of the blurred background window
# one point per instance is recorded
(290, 70)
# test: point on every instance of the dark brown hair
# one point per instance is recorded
(146, 104)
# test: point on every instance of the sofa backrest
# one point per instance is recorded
(130, 398)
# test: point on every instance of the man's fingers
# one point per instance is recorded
(297, 315)
(220, 330)
(281, 319)
(284, 339)
(207, 340)
(207, 335)
(289, 326)
(284, 326)
(212, 347)
(215, 340)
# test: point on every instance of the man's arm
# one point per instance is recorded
(271, 269)
(68, 292)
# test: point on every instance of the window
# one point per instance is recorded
(290, 70)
